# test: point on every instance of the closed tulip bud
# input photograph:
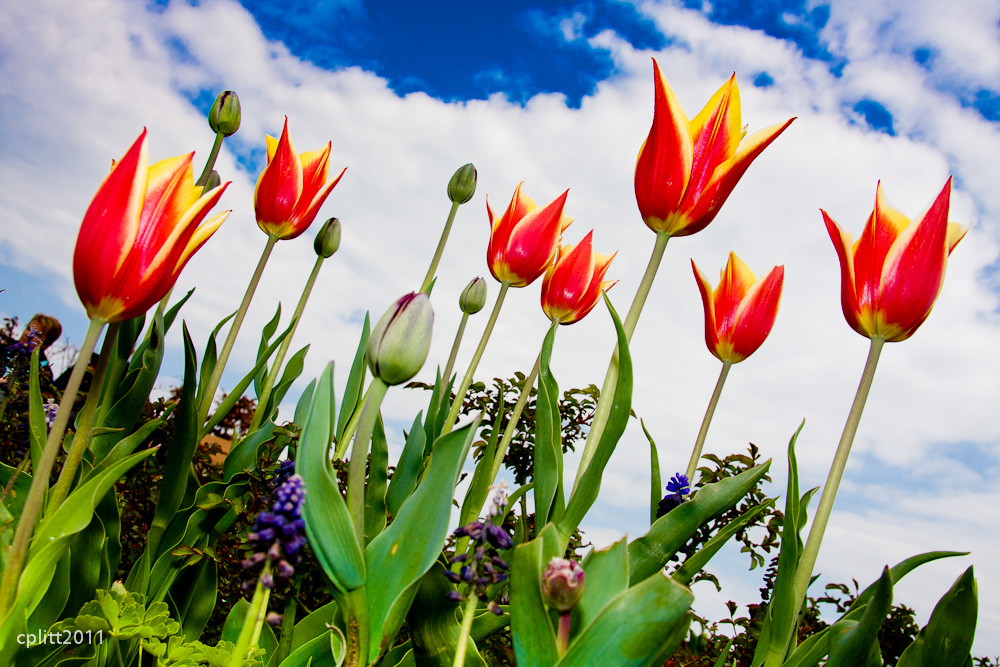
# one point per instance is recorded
(398, 345)
(462, 185)
(214, 181)
(328, 240)
(224, 118)
(473, 297)
(562, 584)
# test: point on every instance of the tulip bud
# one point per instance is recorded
(224, 118)
(328, 240)
(214, 181)
(562, 584)
(398, 345)
(462, 185)
(473, 297)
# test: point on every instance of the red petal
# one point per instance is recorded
(756, 314)
(842, 242)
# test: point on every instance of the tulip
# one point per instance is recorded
(687, 169)
(892, 275)
(573, 284)
(740, 313)
(141, 228)
(524, 240)
(292, 187)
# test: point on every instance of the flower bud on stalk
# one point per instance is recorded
(224, 118)
(462, 185)
(400, 341)
(214, 181)
(562, 584)
(473, 297)
(328, 240)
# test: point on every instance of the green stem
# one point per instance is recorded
(40, 478)
(450, 366)
(703, 433)
(212, 157)
(354, 605)
(456, 407)
(234, 329)
(432, 269)
(562, 638)
(272, 376)
(508, 434)
(463, 638)
(13, 477)
(252, 622)
(804, 572)
(359, 456)
(352, 426)
(86, 419)
(603, 409)
(287, 626)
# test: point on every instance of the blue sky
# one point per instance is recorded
(559, 94)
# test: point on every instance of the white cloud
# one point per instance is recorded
(79, 86)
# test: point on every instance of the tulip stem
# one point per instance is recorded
(450, 366)
(456, 407)
(603, 409)
(212, 157)
(804, 572)
(699, 444)
(84, 422)
(234, 329)
(432, 269)
(463, 638)
(279, 358)
(252, 622)
(40, 477)
(562, 638)
(359, 456)
(515, 416)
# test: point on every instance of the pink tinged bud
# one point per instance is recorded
(562, 584)
(400, 341)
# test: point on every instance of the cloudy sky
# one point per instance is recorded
(558, 94)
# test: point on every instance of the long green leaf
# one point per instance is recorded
(37, 432)
(265, 336)
(547, 474)
(434, 626)
(404, 551)
(352, 391)
(855, 643)
(655, 481)
(952, 626)
(697, 561)
(586, 492)
(606, 578)
(329, 526)
(378, 471)
(533, 635)
(649, 554)
(211, 357)
(293, 369)
(404, 479)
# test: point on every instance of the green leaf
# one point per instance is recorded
(265, 336)
(404, 551)
(315, 624)
(352, 392)
(194, 596)
(378, 471)
(479, 487)
(636, 627)
(533, 635)
(606, 577)
(548, 463)
(293, 369)
(698, 560)
(434, 626)
(952, 626)
(329, 526)
(210, 358)
(330, 648)
(655, 482)
(37, 431)
(855, 643)
(242, 457)
(586, 491)
(649, 554)
(305, 400)
(404, 479)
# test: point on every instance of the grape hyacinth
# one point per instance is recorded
(678, 488)
(278, 536)
(481, 565)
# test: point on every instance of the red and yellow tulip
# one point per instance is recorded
(574, 282)
(524, 240)
(891, 277)
(292, 187)
(740, 313)
(141, 228)
(687, 169)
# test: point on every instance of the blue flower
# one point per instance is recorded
(279, 535)
(677, 489)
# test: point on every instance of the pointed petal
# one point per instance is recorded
(913, 272)
(315, 165)
(279, 186)
(707, 300)
(735, 281)
(663, 168)
(844, 245)
(715, 134)
(305, 213)
(956, 233)
(568, 279)
(882, 229)
(532, 243)
(756, 314)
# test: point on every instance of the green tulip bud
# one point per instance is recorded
(473, 297)
(462, 185)
(562, 584)
(398, 345)
(224, 118)
(328, 240)
(214, 181)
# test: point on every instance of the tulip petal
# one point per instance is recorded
(756, 314)
(956, 233)
(882, 229)
(715, 134)
(279, 186)
(844, 245)
(663, 168)
(913, 273)
(524, 248)
(711, 331)
(735, 281)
